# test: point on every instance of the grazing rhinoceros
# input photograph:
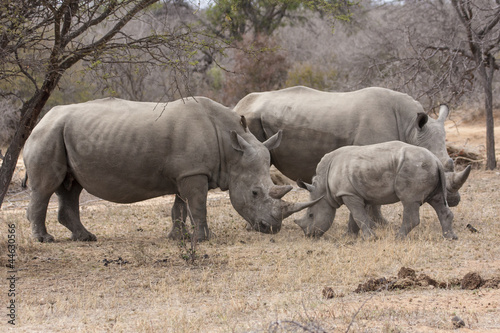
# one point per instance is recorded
(379, 174)
(125, 152)
(315, 123)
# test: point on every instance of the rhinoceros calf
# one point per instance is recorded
(125, 152)
(379, 174)
(315, 123)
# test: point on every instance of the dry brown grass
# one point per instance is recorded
(245, 281)
(249, 282)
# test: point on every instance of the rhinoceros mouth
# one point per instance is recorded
(267, 228)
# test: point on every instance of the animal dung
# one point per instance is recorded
(471, 281)
(457, 322)
(405, 272)
(407, 278)
(328, 293)
(118, 261)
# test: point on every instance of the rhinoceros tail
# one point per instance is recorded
(24, 182)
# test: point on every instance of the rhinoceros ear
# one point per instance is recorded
(274, 141)
(238, 142)
(421, 120)
(443, 113)
(305, 185)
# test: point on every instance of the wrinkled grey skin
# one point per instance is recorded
(125, 152)
(379, 174)
(315, 123)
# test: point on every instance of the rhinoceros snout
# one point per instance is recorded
(453, 199)
(315, 233)
(267, 228)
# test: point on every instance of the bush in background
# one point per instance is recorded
(260, 64)
(9, 120)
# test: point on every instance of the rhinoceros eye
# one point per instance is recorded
(311, 215)
(255, 193)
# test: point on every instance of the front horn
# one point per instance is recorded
(456, 180)
(288, 208)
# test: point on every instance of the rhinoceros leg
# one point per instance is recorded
(375, 213)
(179, 214)
(36, 213)
(445, 216)
(69, 212)
(411, 218)
(352, 226)
(359, 216)
(193, 190)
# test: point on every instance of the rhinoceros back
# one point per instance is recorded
(127, 151)
(315, 123)
(383, 173)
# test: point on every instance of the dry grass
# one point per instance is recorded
(249, 282)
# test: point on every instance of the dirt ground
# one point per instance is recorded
(134, 280)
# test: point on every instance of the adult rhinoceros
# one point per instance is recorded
(125, 151)
(378, 174)
(315, 123)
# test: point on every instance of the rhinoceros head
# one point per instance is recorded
(251, 190)
(430, 133)
(319, 217)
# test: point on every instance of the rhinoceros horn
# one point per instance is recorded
(288, 208)
(277, 192)
(455, 180)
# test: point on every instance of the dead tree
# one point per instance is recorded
(481, 20)
(41, 39)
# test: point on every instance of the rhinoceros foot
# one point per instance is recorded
(46, 238)
(203, 234)
(83, 237)
(177, 234)
(369, 235)
(180, 234)
(450, 235)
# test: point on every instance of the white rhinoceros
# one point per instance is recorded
(315, 123)
(124, 151)
(378, 174)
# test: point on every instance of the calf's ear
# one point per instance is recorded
(305, 185)
(274, 141)
(238, 143)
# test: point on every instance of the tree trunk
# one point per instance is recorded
(29, 115)
(487, 71)
(491, 162)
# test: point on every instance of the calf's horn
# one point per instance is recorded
(288, 208)
(457, 179)
(277, 192)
